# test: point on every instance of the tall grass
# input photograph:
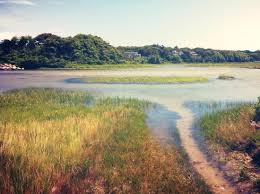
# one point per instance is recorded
(235, 143)
(51, 142)
(230, 126)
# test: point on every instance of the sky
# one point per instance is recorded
(217, 24)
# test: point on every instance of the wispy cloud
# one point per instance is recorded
(18, 2)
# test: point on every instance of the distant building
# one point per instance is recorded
(132, 55)
(193, 53)
(177, 52)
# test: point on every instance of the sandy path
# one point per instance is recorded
(213, 177)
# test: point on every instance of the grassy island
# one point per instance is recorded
(226, 77)
(144, 80)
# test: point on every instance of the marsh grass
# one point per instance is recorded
(229, 127)
(108, 66)
(144, 80)
(51, 142)
(234, 143)
(250, 65)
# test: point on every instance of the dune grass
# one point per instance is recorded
(143, 80)
(54, 141)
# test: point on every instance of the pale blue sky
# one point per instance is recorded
(219, 24)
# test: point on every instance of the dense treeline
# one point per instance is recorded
(156, 54)
(48, 50)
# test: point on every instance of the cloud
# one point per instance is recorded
(17, 2)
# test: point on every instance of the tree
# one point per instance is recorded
(154, 59)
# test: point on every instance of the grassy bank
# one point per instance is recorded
(51, 142)
(250, 65)
(144, 80)
(108, 66)
(235, 143)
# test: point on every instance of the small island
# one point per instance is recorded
(226, 77)
(143, 80)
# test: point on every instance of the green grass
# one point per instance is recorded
(108, 66)
(250, 65)
(229, 127)
(55, 141)
(234, 142)
(144, 80)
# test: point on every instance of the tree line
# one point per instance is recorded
(51, 51)
(156, 54)
(48, 50)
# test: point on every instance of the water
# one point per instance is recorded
(245, 88)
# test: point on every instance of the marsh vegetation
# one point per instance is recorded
(226, 77)
(55, 141)
(144, 79)
(250, 65)
(107, 66)
(235, 144)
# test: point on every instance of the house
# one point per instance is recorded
(132, 55)
(177, 52)
(193, 53)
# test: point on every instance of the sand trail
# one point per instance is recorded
(212, 176)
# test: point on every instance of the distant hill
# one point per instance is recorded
(51, 51)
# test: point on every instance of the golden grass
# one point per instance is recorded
(230, 126)
(51, 142)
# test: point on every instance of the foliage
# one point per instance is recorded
(51, 51)
(48, 50)
(156, 54)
